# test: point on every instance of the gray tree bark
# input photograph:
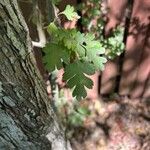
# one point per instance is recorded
(27, 120)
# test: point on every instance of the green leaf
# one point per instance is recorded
(73, 40)
(69, 40)
(75, 77)
(52, 28)
(55, 55)
(79, 38)
(93, 50)
(70, 13)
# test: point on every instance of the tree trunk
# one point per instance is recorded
(27, 120)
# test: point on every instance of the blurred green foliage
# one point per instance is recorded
(92, 20)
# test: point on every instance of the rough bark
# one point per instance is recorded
(27, 120)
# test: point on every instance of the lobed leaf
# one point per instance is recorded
(54, 57)
(70, 13)
(75, 77)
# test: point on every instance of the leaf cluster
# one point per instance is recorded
(79, 54)
(114, 45)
